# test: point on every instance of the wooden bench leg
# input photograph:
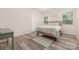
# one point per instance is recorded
(37, 33)
(7, 40)
(60, 33)
(55, 39)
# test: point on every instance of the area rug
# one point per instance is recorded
(43, 41)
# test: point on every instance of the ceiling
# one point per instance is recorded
(43, 9)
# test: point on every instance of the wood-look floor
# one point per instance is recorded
(33, 42)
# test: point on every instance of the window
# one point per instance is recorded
(68, 18)
(46, 20)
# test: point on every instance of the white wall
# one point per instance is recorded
(56, 15)
(77, 22)
(36, 17)
(18, 20)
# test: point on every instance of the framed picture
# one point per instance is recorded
(68, 18)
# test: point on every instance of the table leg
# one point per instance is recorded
(7, 40)
(13, 41)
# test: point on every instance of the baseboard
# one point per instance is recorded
(70, 35)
